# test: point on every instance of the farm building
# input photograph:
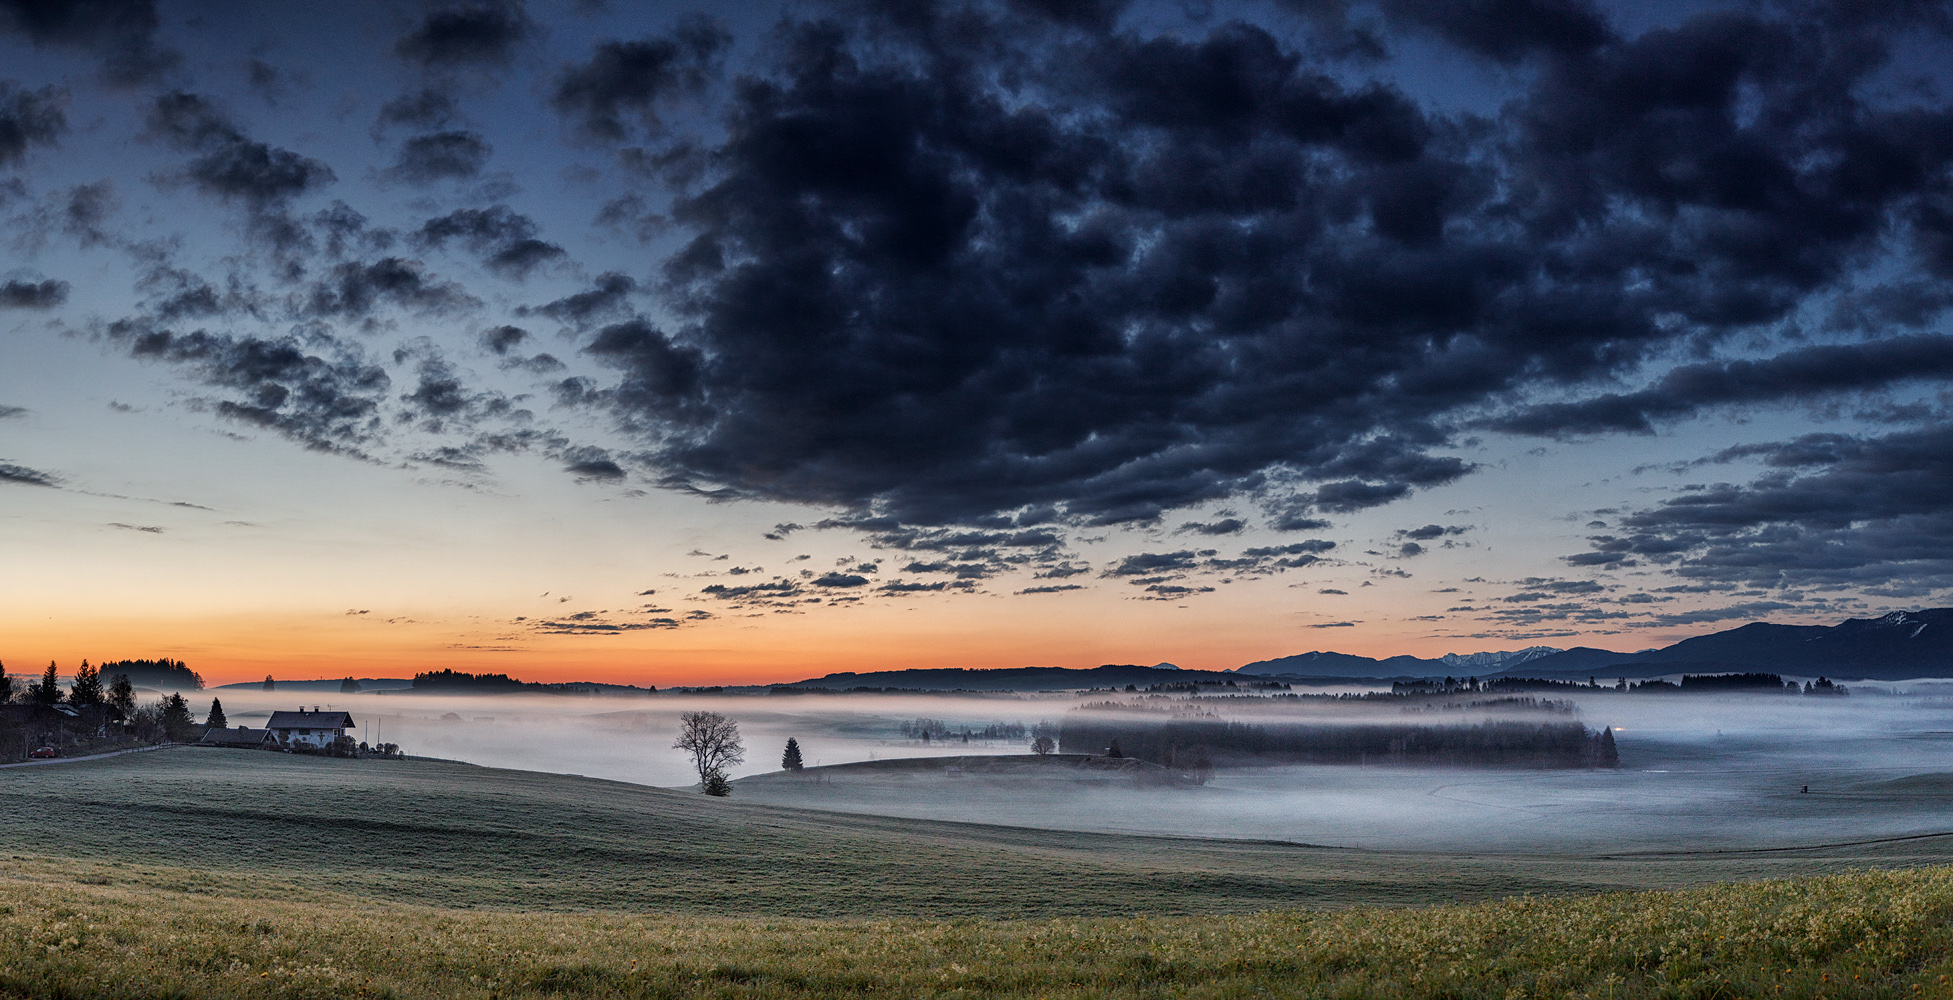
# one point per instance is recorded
(314, 728)
(240, 737)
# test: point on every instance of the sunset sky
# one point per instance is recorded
(679, 344)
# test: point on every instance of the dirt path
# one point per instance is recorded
(92, 756)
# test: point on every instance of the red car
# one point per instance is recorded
(44, 753)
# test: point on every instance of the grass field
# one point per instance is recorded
(205, 873)
(463, 836)
(77, 931)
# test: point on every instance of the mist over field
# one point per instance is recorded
(1696, 772)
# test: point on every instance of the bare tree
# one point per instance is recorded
(1043, 745)
(713, 741)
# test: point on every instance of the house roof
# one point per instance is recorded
(218, 735)
(310, 720)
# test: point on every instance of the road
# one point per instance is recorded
(92, 756)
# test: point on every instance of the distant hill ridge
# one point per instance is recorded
(1896, 646)
(1320, 664)
(1012, 678)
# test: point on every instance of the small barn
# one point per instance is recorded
(240, 738)
(315, 728)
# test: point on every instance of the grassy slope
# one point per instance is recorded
(92, 932)
(455, 835)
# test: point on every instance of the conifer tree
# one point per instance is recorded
(47, 690)
(267, 683)
(348, 686)
(790, 761)
(1610, 756)
(6, 686)
(217, 720)
(122, 696)
(87, 688)
(176, 719)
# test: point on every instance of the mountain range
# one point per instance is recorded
(1898, 646)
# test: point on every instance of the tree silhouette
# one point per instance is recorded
(1610, 755)
(713, 741)
(1043, 745)
(790, 761)
(217, 720)
(1114, 751)
(176, 718)
(348, 686)
(122, 696)
(87, 688)
(47, 690)
(6, 686)
(268, 686)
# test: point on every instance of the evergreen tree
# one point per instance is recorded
(87, 689)
(122, 696)
(267, 682)
(1114, 751)
(47, 690)
(176, 718)
(217, 720)
(348, 686)
(1610, 756)
(6, 686)
(790, 761)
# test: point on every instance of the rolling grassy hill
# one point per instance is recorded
(458, 835)
(233, 874)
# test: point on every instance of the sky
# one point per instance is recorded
(672, 344)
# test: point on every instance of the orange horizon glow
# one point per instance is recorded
(248, 649)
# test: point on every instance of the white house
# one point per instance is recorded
(314, 728)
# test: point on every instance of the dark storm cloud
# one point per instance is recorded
(122, 32)
(1802, 374)
(502, 339)
(504, 240)
(438, 156)
(231, 164)
(29, 118)
(589, 462)
(465, 34)
(86, 213)
(328, 403)
(1508, 30)
(1172, 268)
(33, 294)
(20, 475)
(631, 83)
(609, 297)
(426, 108)
(354, 290)
(974, 275)
(1835, 511)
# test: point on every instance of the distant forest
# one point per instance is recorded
(457, 682)
(153, 673)
(1488, 744)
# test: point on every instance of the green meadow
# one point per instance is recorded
(208, 873)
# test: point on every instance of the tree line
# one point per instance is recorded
(1486, 744)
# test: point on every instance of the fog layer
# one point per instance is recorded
(1696, 773)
